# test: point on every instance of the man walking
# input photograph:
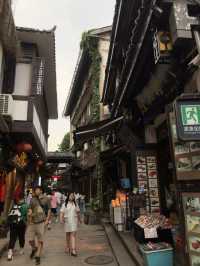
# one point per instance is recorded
(39, 217)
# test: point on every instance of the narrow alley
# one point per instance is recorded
(92, 241)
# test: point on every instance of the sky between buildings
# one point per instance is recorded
(72, 17)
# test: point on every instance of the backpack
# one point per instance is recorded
(15, 215)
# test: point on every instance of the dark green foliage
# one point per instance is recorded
(89, 43)
(65, 144)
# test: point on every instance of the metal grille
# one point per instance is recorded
(4, 102)
(99, 260)
(38, 76)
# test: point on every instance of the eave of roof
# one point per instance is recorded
(115, 28)
(88, 132)
(82, 65)
(7, 27)
(45, 41)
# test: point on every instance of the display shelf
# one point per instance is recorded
(183, 155)
(192, 201)
(192, 233)
(188, 175)
(197, 214)
(196, 253)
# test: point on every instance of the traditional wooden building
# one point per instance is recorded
(28, 99)
(154, 61)
(83, 104)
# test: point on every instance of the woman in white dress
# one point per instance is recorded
(70, 216)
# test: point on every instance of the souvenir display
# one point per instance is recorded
(194, 146)
(142, 176)
(153, 192)
(153, 221)
(148, 179)
(154, 202)
(151, 159)
(195, 260)
(196, 162)
(191, 206)
(152, 174)
(187, 156)
(184, 164)
(181, 148)
(141, 160)
(153, 183)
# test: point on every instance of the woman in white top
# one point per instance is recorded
(70, 216)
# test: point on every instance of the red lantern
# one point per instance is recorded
(40, 163)
(24, 147)
(27, 147)
(19, 147)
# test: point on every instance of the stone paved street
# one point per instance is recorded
(92, 241)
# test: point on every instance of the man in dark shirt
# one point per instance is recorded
(39, 216)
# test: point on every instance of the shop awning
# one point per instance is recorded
(115, 151)
(85, 133)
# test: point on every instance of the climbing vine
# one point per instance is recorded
(89, 43)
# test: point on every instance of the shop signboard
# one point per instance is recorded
(162, 47)
(188, 119)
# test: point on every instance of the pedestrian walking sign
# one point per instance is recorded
(188, 119)
(190, 115)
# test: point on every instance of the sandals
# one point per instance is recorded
(74, 253)
(67, 250)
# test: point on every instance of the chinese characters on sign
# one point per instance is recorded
(188, 119)
(190, 115)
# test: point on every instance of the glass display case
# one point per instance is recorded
(191, 206)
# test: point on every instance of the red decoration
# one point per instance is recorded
(19, 147)
(24, 147)
(58, 177)
(27, 147)
(40, 163)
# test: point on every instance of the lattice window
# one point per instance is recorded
(38, 76)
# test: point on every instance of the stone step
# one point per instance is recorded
(121, 254)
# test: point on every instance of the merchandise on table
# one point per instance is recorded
(153, 221)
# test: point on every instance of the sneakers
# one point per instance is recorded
(37, 260)
(10, 255)
(33, 253)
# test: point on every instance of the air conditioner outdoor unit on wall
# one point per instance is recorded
(6, 105)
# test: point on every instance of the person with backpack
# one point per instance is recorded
(39, 217)
(17, 220)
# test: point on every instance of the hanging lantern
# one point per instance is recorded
(24, 147)
(27, 147)
(40, 163)
(19, 147)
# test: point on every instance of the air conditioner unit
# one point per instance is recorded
(6, 105)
